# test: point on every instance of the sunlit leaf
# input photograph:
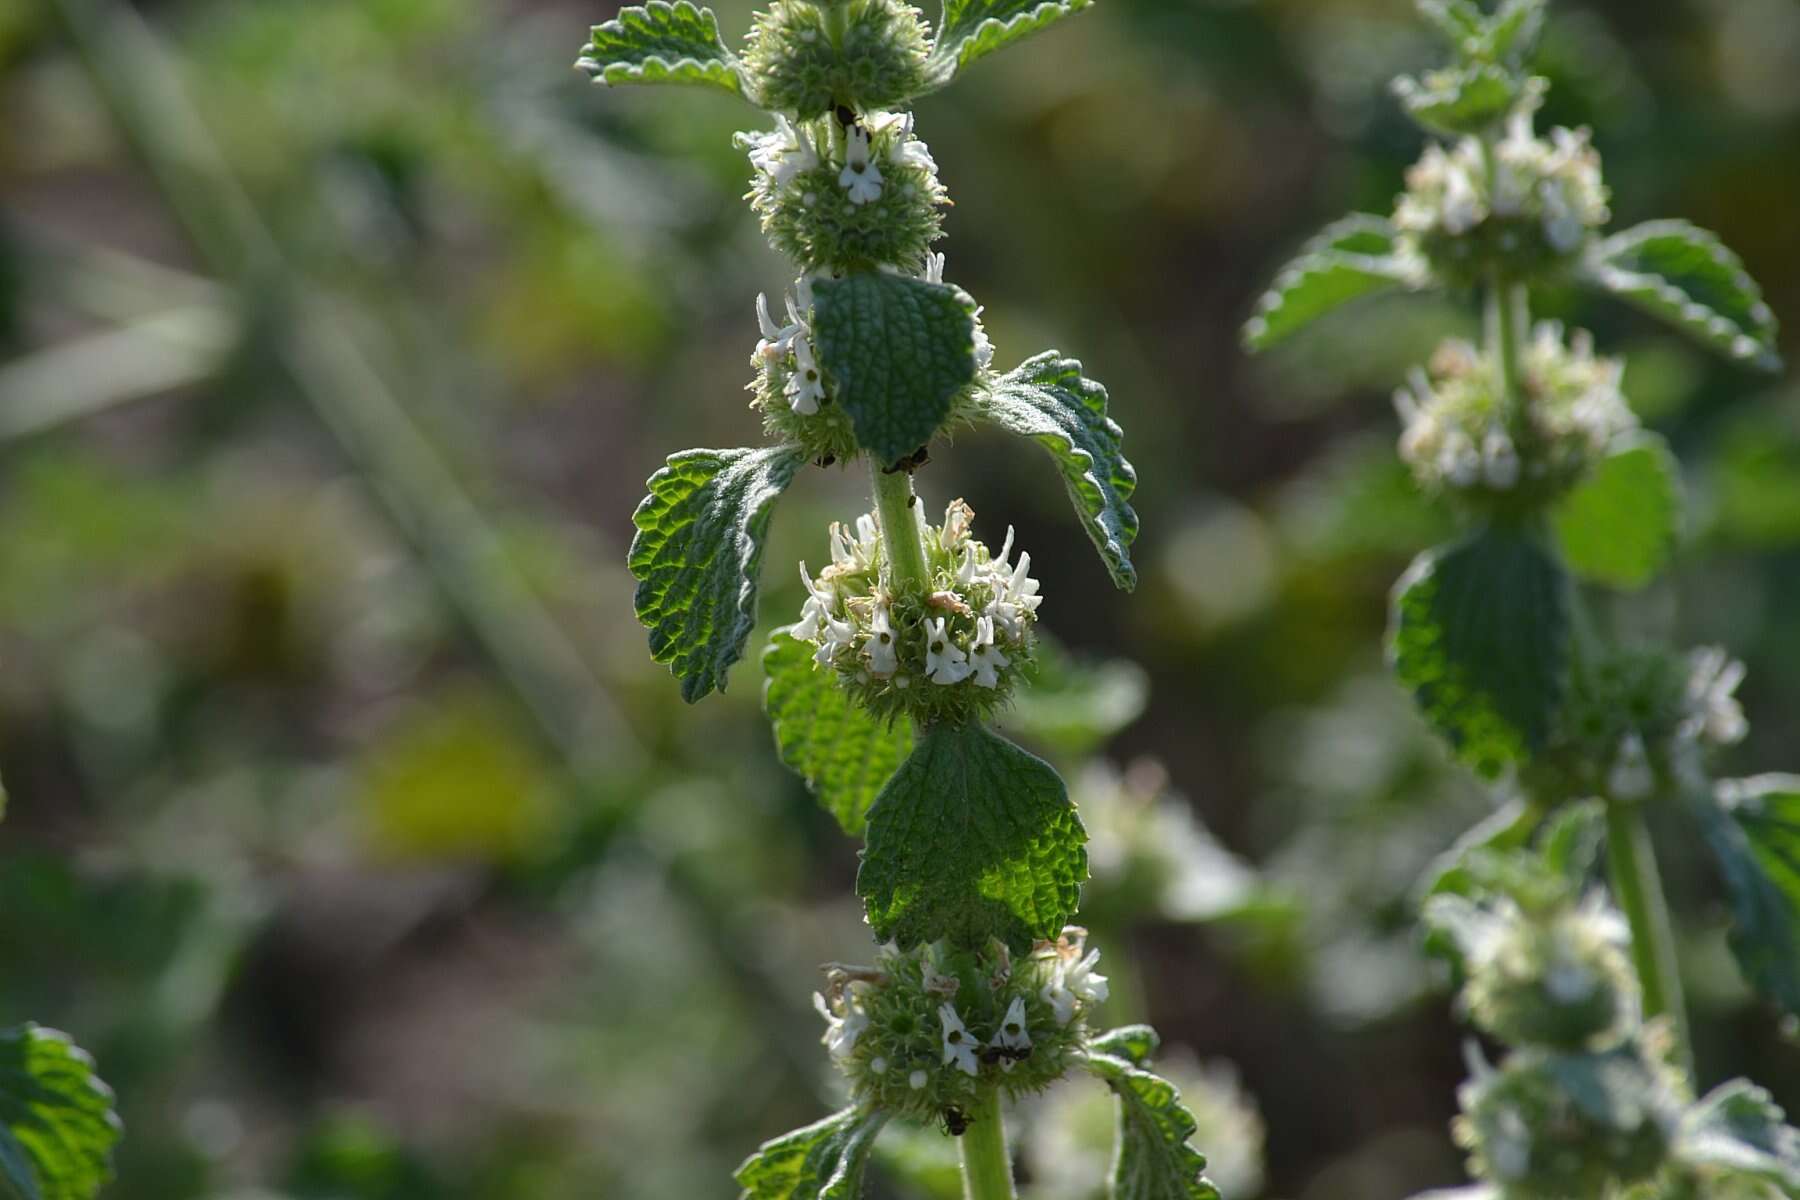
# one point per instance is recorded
(57, 1125)
(1346, 261)
(1049, 400)
(971, 29)
(1686, 276)
(1459, 101)
(824, 1161)
(1479, 634)
(660, 42)
(1619, 526)
(698, 555)
(844, 754)
(1152, 1160)
(972, 839)
(898, 352)
(1737, 1131)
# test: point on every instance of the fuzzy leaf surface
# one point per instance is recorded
(1458, 102)
(898, 351)
(1345, 261)
(1133, 1043)
(1479, 633)
(824, 1161)
(1689, 278)
(844, 754)
(972, 29)
(973, 838)
(1050, 401)
(1619, 526)
(660, 42)
(1754, 830)
(698, 554)
(57, 1125)
(1152, 1159)
(1737, 1130)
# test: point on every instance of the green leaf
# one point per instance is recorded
(698, 553)
(1511, 34)
(1133, 1043)
(972, 839)
(57, 1125)
(842, 752)
(661, 42)
(1050, 401)
(971, 29)
(1153, 1160)
(1686, 276)
(1619, 526)
(823, 1161)
(1754, 831)
(1461, 101)
(1480, 635)
(1509, 827)
(1738, 1130)
(1458, 20)
(898, 351)
(1346, 261)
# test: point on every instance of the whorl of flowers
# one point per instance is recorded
(918, 1033)
(1637, 717)
(1559, 979)
(878, 60)
(952, 650)
(1460, 437)
(832, 195)
(1544, 199)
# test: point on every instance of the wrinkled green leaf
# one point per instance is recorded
(1686, 276)
(843, 753)
(1458, 20)
(1345, 261)
(1133, 1043)
(1754, 830)
(1152, 1160)
(1479, 634)
(57, 1125)
(698, 554)
(1049, 400)
(660, 42)
(1074, 705)
(971, 29)
(972, 839)
(898, 351)
(1737, 1129)
(1619, 526)
(1512, 32)
(1509, 827)
(824, 1161)
(1461, 101)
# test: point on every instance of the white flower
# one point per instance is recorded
(806, 386)
(1716, 716)
(781, 154)
(959, 1047)
(1462, 209)
(841, 1032)
(1499, 460)
(879, 646)
(838, 635)
(1012, 1033)
(1015, 596)
(1073, 982)
(1632, 777)
(945, 662)
(821, 598)
(986, 657)
(860, 177)
(934, 269)
(777, 340)
(984, 349)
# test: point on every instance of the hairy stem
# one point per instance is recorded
(894, 501)
(987, 1171)
(1637, 885)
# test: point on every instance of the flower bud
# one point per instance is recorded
(1557, 979)
(877, 61)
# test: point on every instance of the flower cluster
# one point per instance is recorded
(1561, 979)
(874, 59)
(1525, 202)
(917, 1032)
(951, 650)
(846, 196)
(1460, 435)
(1637, 717)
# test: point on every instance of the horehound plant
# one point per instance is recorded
(1530, 438)
(913, 632)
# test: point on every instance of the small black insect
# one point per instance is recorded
(846, 117)
(956, 1122)
(989, 1055)
(911, 462)
(824, 460)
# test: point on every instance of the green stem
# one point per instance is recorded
(1506, 305)
(1637, 885)
(987, 1171)
(894, 501)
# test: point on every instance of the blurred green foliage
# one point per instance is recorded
(350, 825)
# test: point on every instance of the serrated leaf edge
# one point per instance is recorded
(611, 74)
